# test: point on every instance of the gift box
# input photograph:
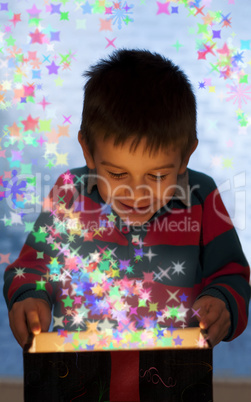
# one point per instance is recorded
(99, 367)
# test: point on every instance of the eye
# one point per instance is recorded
(117, 175)
(158, 177)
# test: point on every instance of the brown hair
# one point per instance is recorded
(138, 94)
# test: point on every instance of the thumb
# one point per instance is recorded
(200, 310)
(33, 322)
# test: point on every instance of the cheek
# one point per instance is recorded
(104, 188)
(167, 190)
(110, 190)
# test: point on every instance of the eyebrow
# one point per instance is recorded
(168, 166)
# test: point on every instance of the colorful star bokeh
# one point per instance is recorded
(119, 303)
(31, 71)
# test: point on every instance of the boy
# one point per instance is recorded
(135, 239)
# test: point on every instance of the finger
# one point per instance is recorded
(200, 308)
(209, 313)
(45, 317)
(33, 322)
(19, 328)
(208, 318)
(217, 332)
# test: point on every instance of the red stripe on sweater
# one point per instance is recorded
(29, 260)
(229, 269)
(124, 384)
(241, 305)
(215, 218)
(181, 227)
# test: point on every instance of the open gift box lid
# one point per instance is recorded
(64, 341)
(78, 366)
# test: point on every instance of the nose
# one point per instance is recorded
(137, 190)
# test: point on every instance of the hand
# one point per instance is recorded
(214, 317)
(29, 315)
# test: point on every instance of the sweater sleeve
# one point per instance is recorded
(225, 269)
(36, 271)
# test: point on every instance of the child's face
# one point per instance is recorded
(135, 183)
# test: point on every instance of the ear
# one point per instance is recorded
(187, 157)
(87, 154)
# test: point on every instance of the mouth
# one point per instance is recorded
(138, 210)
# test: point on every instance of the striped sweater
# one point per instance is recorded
(93, 268)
